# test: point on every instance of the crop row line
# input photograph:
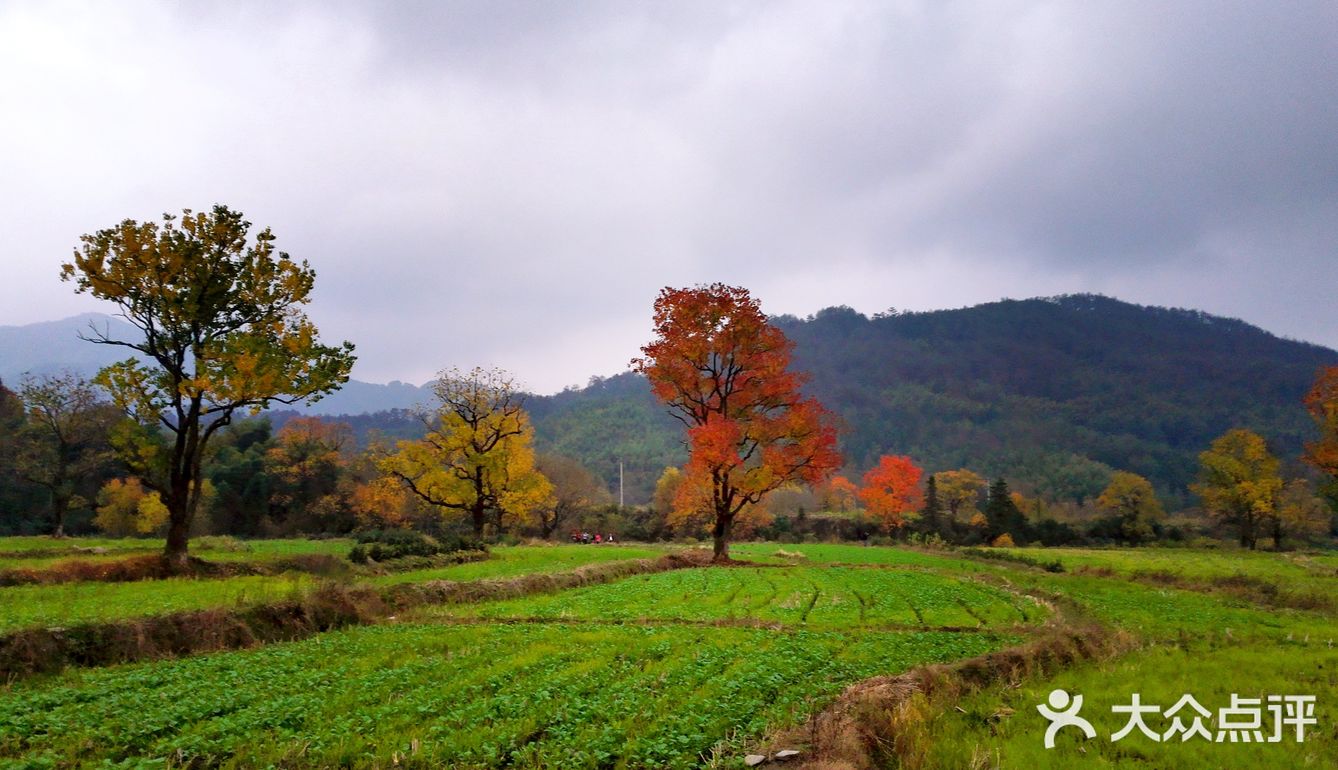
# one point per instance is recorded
(757, 623)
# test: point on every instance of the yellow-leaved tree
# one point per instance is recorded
(126, 509)
(477, 458)
(960, 491)
(1239, 483)
(220, 329)
(1131, 499)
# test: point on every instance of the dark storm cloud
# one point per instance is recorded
(1180, 124)
(511, 183)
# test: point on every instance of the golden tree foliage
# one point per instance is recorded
(1301, 514)
(693, 512)
(309, 470)
(666, 490)
(222, 330)
(126, 509)
(478, 457)
(1131, 499)
(960, 491)
(381, 503)
(1239, 482)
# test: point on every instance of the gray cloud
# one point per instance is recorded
(512, 183)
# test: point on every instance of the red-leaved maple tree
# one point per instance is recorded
(1322, 403)
(723, 370)
(891, 490)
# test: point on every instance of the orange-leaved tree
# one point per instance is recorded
(723, 370)
(891, 490)
(839, 494)
(311, 483)
(1322, 403)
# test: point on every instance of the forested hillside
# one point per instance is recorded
(1051, 393)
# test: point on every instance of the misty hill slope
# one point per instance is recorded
(53, 346)
(1052, 393)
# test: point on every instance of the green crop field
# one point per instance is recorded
(525, 560)
(1189, 637)
(42, 552)
(24, 544)
(835, 553)
(698, 666)
(71, 603)
(1286, 570)
(835, 597)
(68, 604)
(475, 696)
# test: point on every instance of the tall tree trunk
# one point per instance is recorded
(478, 516)
(479, 511)
(178, 539)
(723, 524)
(178, 524)
(59, 505)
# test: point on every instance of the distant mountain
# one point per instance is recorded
(45, 348)
(52, 346)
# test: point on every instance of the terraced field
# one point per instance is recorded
(71, 603)
(698, 666)
(649, 671)
(834, 597)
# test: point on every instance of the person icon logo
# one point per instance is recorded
(1063, 712)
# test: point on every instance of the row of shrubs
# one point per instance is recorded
(379, 545)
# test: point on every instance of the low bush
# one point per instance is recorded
(226, 543)
(1053, 565)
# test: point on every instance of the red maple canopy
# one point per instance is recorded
(723, 370)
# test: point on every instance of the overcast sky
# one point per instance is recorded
(510, 184)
